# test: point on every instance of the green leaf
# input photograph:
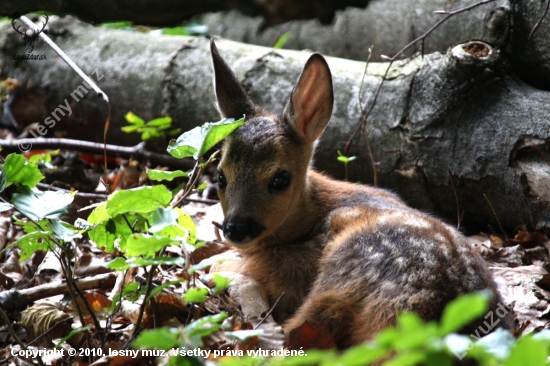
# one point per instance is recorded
(186, 222)
(3, 180)
(63, 231)
(147, 135)
(130, 288)
(165, 285)
(43, 158)
(208, 262)
(164, 175)
(199, 140)
(118, 25)
(142, 199)
(463, 310)
(410, 322)
(196, 295)
(173, 223)
(118, 264)
(130, 128)
(39, 205)
(527, 351)
(116, 229)
(205, 325)
(103, 236)
(30, 243)
(244, 335)
(162, 338)
(176, 31)
(82, 225)
(19, 171)
(196, 29)
(282, 41)
(4, 206)
(344, 159)
(221, 283)
(363, 354)
(496, 345)
(202, 186)
(407, 359)
(174, 132)
(134, 120)
(160, 122)
(99, 214)
(72, 333)
(168, 261)
(143, 244)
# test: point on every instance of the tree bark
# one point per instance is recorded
(389, 25)
(173, 12)
(461, 112)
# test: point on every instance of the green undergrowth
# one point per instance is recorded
(138, 224)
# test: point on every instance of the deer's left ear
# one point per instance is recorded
(310, 106)
(232, 99)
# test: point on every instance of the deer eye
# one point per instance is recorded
(222, 182)
(281, 181)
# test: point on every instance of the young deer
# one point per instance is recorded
(349, 256)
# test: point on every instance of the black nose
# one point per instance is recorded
(241, 230)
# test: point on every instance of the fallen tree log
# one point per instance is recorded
(173, 12)
(389, 25)
(460, 112)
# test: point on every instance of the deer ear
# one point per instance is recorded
(310, 106)
(232, 100)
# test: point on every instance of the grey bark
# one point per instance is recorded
(457, 112)
(389, 25)
(172, 12)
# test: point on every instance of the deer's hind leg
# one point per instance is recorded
(349, 296)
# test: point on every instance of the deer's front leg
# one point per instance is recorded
(249, 296)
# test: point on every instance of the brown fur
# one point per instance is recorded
(349, 256)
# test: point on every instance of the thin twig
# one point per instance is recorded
(7, 320)
(269, 312)
(412, 43)
(64, 260)
(137, 152)
(537, 25)
(365, 132)
(202, 200)
(47, 187)
(496, 216)
(193, 179)
(65, 58)
(149, 287)
(458, 215)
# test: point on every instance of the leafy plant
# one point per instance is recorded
(282, 40)
(416, 342)
(138, 223)
(346, 160)
(154, 128)
(187, 29)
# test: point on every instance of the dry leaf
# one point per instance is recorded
(43, 316)
(529, 239)
(308, 337)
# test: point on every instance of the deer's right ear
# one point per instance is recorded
(232, 99)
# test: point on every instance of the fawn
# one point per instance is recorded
(351, 257)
